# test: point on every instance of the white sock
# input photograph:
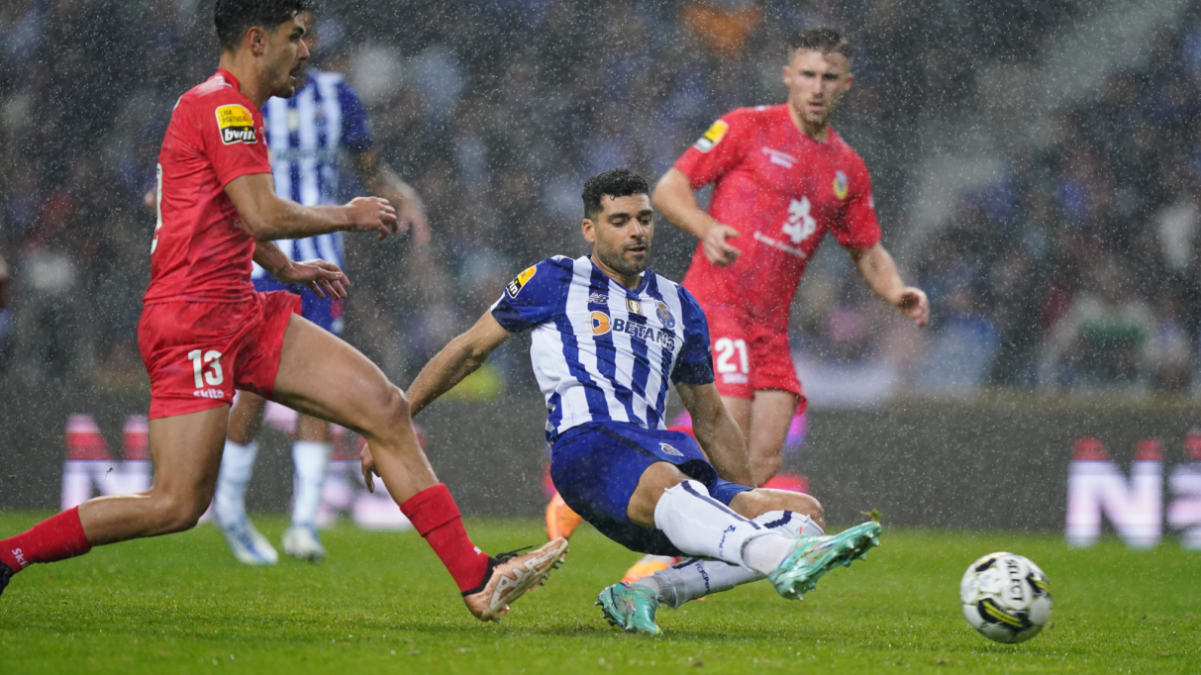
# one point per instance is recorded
(695, 578)
(237, 466)
(311, 459)
(701, 526)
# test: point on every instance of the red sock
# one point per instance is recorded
(53, 539)
(436, 517)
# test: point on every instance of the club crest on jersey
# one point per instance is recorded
(236, 124)
(664, 314)
(840, 185)
(669, 450)
(515, 285)
(712, 137)
(600, 323)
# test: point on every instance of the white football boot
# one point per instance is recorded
(247, 545)
(300, 542)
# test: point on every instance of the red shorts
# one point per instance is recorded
(198, 353)
(749, 357)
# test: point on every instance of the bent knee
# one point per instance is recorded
(812, 508)
(179, 515)
(387, 410)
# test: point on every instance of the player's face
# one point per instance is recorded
(816, 82)
(309, 21)
(285, 54)
(621, 234)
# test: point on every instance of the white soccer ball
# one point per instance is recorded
(1005, 597)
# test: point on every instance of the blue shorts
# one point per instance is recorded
(596, 468)
(325, 312)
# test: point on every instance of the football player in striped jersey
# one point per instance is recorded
(609, 337)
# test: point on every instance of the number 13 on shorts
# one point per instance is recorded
(212, 358)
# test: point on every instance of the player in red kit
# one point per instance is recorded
(783, 179)
(205, 332)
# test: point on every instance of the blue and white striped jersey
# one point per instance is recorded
(602, 352)
(305, 135)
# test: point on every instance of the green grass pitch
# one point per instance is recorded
(382, 603)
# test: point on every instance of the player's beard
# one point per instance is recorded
(613, 258)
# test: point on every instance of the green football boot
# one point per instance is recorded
(632, 607)
(811, 557)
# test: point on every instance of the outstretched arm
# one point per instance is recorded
(717, 432)
(265, 216)
(674, 198)
(380, 179)
(879, 272)
(456, 361)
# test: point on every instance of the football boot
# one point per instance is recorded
(301, 542)
(247, 545)
(811, 557)
(630, 607)
(510, 575)
(561, 521)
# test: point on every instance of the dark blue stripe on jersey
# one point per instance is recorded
(293, 144)
(642, 370)
(597, 407)
(606, 350)
(356, 135)
(666, 360)
(321, 126)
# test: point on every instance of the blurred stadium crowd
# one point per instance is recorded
(1075, 269)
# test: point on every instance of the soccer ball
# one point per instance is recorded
(1005, 597)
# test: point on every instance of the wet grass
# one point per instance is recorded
(382, 603)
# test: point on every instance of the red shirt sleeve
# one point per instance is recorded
(231, 133)
(721, 148)
(858, 227)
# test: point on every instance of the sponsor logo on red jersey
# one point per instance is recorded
(841, 187)
(712, 137)
(236, 124)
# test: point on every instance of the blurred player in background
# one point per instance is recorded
(205, 331)
(609, 338)
(782, 179)
(305, 134)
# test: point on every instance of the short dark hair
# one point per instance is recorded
(823, 39)
(615, 183)
(234, 17)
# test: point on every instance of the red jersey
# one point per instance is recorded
(199, 253)
(782, 191)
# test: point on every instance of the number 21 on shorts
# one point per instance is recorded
(727, 349)
(214, 375)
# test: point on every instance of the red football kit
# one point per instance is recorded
(204, 330)
(783, 191)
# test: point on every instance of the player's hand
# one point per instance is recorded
(323, 278)
(368, 468)
(717, 247)
(372, 214)
(913, 304)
